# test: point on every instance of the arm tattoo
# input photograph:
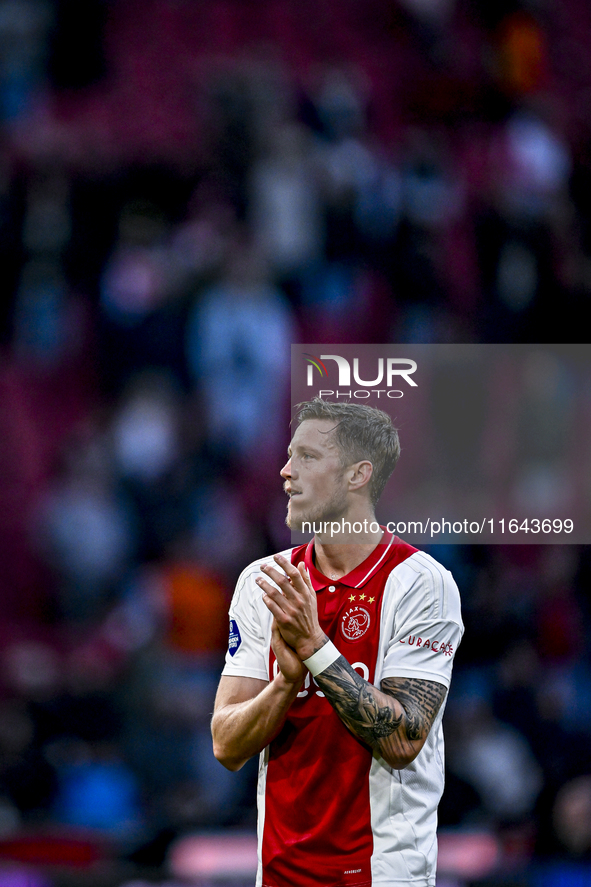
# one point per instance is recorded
(389, 720)
(420, 699)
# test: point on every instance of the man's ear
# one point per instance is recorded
(359, 474)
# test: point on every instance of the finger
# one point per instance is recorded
(290, 588)
(280, 579)
(275, 635)
(276, 602)
(271, 593)
(277, 640)
(292, 581)
(273, 607)
(286, 565)
(305, 573)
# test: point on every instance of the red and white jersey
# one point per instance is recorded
(331, 812)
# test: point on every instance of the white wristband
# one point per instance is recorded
(320, 660)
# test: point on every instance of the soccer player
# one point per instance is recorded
(338, 665)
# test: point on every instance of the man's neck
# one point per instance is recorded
(335, 560)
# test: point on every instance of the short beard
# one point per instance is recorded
(330, 511)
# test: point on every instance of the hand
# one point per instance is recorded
(293, 604)
(290, 664)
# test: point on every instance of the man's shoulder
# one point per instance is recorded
(424, 583)
(407, 555)
(415, 567)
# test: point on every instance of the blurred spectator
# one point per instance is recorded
(141, 294)
(196, 602)
(536, 167)
(85, 530)
(145, 430)
(46, 322)
(572, 817)
(96, 790)
(222, 534)
(285, 204)
(27, 780)
(559, 617)
(24, 26)
(497, 761)
(239, 336)
(523, 53)
(134, 283)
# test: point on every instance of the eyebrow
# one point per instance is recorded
(308, 449)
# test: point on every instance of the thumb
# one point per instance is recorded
(276, 637)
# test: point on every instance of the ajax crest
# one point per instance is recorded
(355, 623)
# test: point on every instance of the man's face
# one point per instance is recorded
(314, 475)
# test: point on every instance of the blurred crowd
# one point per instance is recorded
(186, 189)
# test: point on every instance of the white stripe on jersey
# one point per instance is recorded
(261, 789)
(377, 564)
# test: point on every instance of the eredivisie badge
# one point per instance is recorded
(355, 623)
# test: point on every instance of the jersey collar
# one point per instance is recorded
(361, 574)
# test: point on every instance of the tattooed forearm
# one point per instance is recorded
(356, 703)
(421, 701)
(394, 721)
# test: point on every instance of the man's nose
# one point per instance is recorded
(286, 470)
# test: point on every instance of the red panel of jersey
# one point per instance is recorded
(317, 826)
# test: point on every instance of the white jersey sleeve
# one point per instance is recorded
(422, 621)
(250, 627)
